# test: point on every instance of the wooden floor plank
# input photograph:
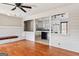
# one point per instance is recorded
(28, 48)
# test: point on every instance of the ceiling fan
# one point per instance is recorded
(19, 5)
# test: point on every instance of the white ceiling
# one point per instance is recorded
(37, 8)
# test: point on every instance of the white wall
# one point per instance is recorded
(11, 30)
(70, 41)
(10, 25)
(10, 21)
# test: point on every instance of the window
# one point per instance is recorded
(64, 27)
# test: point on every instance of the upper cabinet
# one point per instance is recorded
(55, 25)
(59, 24)
(42, 24)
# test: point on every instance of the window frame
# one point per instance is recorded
(61, 31)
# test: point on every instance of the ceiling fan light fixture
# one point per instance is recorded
(19, 5)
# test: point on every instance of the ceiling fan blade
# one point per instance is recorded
(22, 9)
(27, 7)
(13, 8)
(8, 4)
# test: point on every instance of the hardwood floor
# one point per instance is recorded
(28, 48)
